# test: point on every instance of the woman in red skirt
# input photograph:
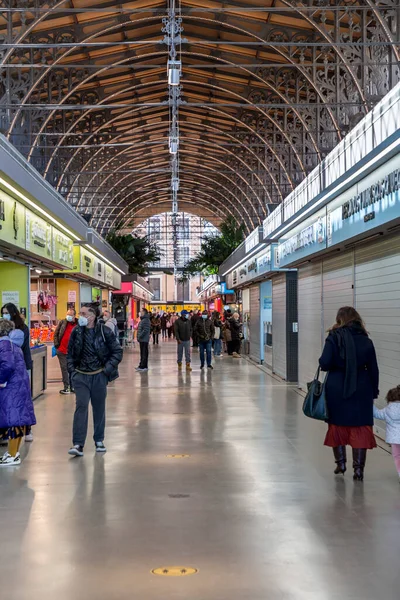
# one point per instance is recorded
(351, 387)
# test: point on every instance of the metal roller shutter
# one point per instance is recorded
(279, 325)
(377, 293)
(254, 328)
(310, 320)
(337, 286)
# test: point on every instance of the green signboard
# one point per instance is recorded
(12, 221)
(63, 249)
(38, 235)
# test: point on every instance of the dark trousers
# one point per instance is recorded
(205, 348)
(169, 332)
(229, 347)
(164, 334)
(155, 338)
(62, 359)
(89, 388)
(236, 346)
(144, 355)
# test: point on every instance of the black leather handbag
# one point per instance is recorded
(315, 406)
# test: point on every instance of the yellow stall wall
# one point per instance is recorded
(14, 278)
(64, 288)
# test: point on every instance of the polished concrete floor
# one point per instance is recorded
(259, 512)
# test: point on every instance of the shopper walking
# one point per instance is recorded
(164, 326)
(205, 331)
(62, 335)
(10, 312)
(169, 326)
(183, 333)
(111, 323)
(195, 318)
(16, 406)
(391, 415)
(351, 387)
(93, 358)
(217, 334)
(143, 337)
(155, 328)
(236, 333)
(227, 333)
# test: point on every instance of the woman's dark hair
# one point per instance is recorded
(15, 315)
(93, 308)
(347, 316)
(393, 395)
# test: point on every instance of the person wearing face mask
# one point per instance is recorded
(93, 358)
(62, 335)
(205, 331)
(236, 330)
(143, 337)
(11, 313)
(183, 333)
(111, 323)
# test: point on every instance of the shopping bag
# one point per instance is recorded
(314, 405)
(53, 352)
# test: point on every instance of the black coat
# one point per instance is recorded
(26, 348)
(107, 347)
(357, 410)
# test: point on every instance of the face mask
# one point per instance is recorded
(7, 316)
(204, 317)
(83, 321)
(70, 319)
(186, 316)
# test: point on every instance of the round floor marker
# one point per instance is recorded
(175, 571)
(178, 455)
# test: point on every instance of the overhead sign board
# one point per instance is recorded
(306, 239)
(373, 202)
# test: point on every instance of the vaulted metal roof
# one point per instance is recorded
(268, 88)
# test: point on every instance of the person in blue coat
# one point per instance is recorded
(351, 387)
(16, 406)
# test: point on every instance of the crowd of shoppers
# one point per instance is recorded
(89, 353)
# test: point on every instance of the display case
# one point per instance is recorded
(39, 370)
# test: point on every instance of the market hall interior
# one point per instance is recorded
(254, 507)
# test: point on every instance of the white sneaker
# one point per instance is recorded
(76, 450)
(10, 461)
(100, 447)
(29, 437)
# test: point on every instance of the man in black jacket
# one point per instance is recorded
(205, 331)
(183, 332)
(93, 358)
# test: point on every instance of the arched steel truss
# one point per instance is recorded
(268, 91)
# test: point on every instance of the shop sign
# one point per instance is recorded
(243, 272)
(12, 221)
(63, 249)
(38, 235)
(224, 289)
(108, 275)
(307, 241)
(264, 262)
(252, 266)
(71, 296)
(10, 298)
(116, 283)
(91, 265)
(372, 206)
(34, 298)
(234, 277)
(252, 240)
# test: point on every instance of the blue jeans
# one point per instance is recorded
(217, 347)
(184, 346)
(205, 347)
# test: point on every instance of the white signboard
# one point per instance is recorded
(10, 297)
(71, 296)
(34, 298)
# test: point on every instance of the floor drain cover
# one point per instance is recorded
(174, 571)
(178, 495)
(178, 455)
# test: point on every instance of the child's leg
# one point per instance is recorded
(15, 444)
(396, 456)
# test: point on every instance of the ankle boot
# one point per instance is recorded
(340, 458)
(359, 458)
